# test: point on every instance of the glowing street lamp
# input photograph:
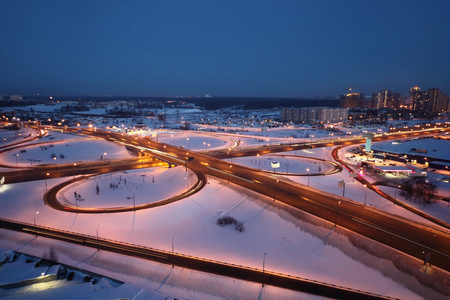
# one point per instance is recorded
(365, 196)
(98, 245)
(17, 163)
(309, 175)
(337, 208)
(173, 262)
(35, 228)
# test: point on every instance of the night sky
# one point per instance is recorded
(223, 48)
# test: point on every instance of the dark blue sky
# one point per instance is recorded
(223, 48)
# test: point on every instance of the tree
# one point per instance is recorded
(51, 255)
(419, 188)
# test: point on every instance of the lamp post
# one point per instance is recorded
(17, 163)
(173, 261)
(98, 245)
(229, 174)
(76, 200)
(34, 218)
(134, 202)
(337, 207)
(54, 158)
(45, 180)
(264, 268)
(308, 175)
(395, 196)
(365, 196)
(274, 188)
(189, 141)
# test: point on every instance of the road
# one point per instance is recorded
(196, 263)
(415, 239)
(412, 238)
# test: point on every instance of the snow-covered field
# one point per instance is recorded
(290, 249)
(290, 244)
(128, 188)
(435, 147)
(289, 164)
(63, 152)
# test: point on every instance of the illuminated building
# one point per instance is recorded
(352, 100)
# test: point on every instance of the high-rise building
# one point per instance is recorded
(438, 100)
(352, 100)
(432, 100)
(417, 99)
(388, 99)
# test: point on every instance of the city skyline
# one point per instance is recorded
(253, 49)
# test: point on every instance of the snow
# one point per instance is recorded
(437, 148)
(192, 221)
(127, 188)
(288, 164)
(197, 142)
(68, 151)
(12, 136)
(292, 244)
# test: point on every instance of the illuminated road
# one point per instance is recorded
(410, 237)
(415, 239)
(196, 263)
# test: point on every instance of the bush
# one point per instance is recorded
(227, 220)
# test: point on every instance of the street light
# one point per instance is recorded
(45, 180)
(365, 196)
(308, 175)
(17, 163)
(98, 246)
(264, 267)
(274, 188)
(76, 200)
(173, 262)
(35, 228)
(189, 147)
(134, 202)
(395, 196)
(337, 207)
(229, 173)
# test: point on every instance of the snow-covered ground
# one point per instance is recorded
(288, 164)
(437, 148)
(135, 187)
(11, 136)
(63, 152)
(292, 244)
(290, 249)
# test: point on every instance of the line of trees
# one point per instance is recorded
(419, 189)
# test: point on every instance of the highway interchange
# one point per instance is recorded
(409, 237)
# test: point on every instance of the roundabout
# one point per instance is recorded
(124, 191)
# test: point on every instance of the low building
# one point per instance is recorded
(314, 115)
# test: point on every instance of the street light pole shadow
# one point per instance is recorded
(74, 220)
(164, 281)
(260, 293)
(133, 222)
